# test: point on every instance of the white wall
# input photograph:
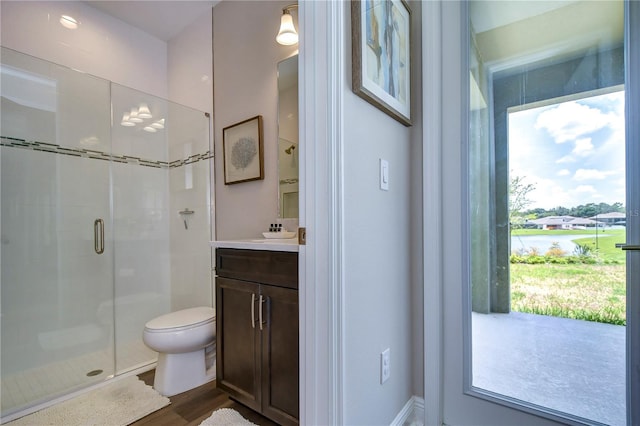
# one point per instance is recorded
(110, 50)
(102, 45)
(190, 65)
(180, 70)
(178, 275)
(190, 75)
(245, 73)
(378, 287)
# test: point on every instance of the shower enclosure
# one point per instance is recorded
(93, 179)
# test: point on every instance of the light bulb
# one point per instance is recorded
(287, 35)
(133, 116)
(158, 124)
(143, 111)
(126, 122)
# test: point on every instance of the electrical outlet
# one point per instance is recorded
(385, 365)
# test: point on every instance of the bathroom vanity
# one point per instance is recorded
(257, 327)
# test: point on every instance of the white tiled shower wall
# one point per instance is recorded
(179, 259)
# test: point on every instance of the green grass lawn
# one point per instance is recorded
(593, 292)
(587, 292)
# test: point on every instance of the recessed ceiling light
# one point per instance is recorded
(150, 129)
(68, 22)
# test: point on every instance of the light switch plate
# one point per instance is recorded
(385, 365)
(384, 175)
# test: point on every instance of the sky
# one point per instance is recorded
(572, 152)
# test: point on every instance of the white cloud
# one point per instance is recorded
(548, 193)
(569, 121)
(586, 189)
(587, 135)
(590, 174)
(566, 159)
(583, 147)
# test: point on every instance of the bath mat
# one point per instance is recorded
(119, 403)
(226, 417)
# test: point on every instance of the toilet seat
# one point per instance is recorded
(181, 320)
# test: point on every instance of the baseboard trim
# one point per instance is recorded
(411, 414)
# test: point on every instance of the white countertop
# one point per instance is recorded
(290, 244)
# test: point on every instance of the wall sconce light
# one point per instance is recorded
(287, 35)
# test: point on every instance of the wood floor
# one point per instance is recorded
(192, 407)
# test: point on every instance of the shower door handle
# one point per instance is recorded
(98, 236)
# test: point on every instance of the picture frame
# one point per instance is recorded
(381, 60)
(243, 151)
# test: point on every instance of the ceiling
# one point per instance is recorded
(511, 33)
(166, 19)
(503, 28)
(488, 15)
(161, 19)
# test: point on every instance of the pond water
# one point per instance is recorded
(543, 242)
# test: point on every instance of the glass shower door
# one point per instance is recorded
(140, 183)
(56, 244)
(160, 185)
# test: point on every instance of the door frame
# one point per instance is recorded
(321, 66)
(432, 200)
(632, 120)
(445, 305)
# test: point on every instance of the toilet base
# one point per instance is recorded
(177, 373)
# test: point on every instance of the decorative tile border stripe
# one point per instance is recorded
(99, 155)
(192, 159)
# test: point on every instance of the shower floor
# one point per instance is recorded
(38, 385)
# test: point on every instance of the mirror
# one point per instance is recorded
(288, 152)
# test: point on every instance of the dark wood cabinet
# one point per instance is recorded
(257, 360)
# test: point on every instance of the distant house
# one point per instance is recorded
(563, 222)
(611, 218)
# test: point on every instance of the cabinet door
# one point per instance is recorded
(238, 341)
(280, 364)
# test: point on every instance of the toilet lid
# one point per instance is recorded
(183, 318)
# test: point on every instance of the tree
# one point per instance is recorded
(518, 199)
(561, 211)
(583, 210)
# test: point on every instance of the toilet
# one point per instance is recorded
(185, 342)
